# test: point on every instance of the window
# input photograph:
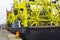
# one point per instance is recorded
(31, 0)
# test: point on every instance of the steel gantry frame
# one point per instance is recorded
(35, 13)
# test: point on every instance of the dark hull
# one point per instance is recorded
(51, 33)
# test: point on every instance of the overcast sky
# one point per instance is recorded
(4, 4)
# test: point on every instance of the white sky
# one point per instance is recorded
(4, 4)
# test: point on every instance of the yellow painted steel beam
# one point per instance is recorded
(39, 11)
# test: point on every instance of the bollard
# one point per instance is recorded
(17, 34)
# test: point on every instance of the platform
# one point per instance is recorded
(6, 35)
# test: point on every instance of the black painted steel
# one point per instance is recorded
(42, 34)
(39, 33)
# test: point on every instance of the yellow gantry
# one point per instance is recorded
(36, 13)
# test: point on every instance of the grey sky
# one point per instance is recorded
(4, 4)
